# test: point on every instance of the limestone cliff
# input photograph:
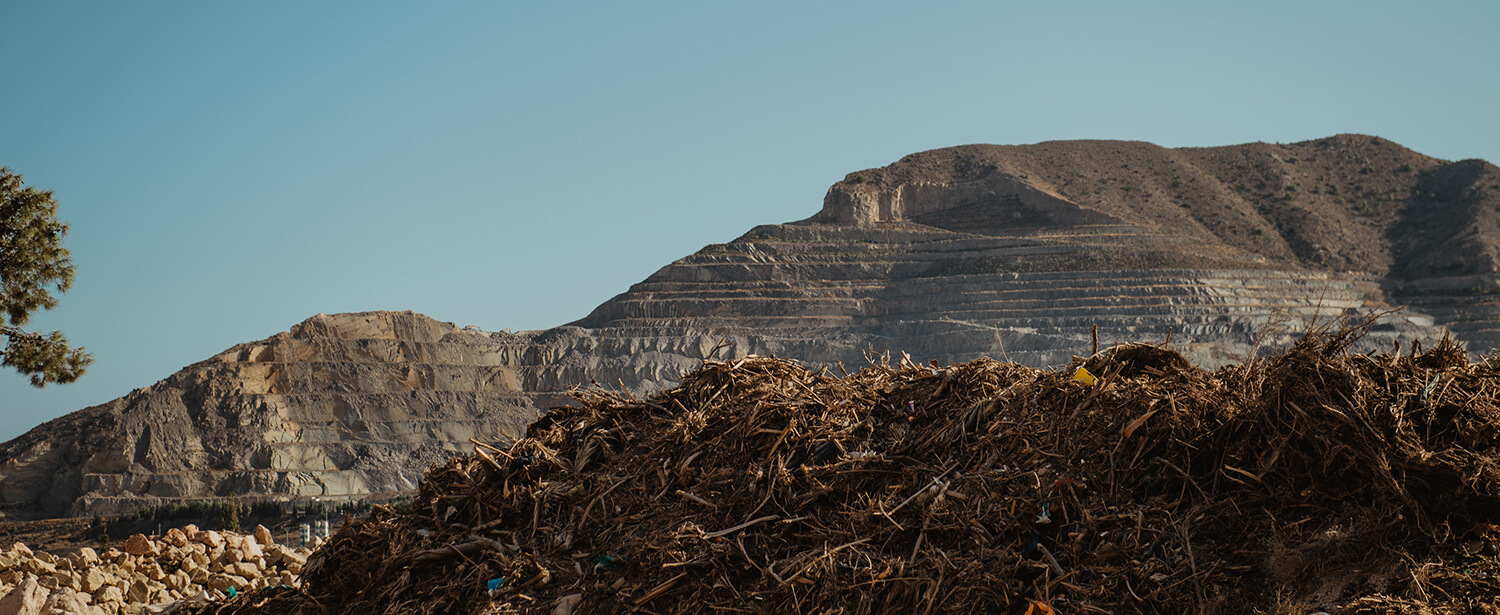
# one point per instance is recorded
(346, 404)
(1016, 252)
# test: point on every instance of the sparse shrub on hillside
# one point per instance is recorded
(229, 517)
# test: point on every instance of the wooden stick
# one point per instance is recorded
(938, 480)
(659, 590)
(491, 447)
(1047, 555)
(468, 547)
(727, 531)
(779, 440)
(486, 457)
(824, 556)
(696, 499)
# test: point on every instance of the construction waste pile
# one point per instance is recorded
(1309, 480)
(146, 575)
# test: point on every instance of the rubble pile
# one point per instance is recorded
(1313, 479)
(186, 566)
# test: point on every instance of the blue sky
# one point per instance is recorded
(230, 170)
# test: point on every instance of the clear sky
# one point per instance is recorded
(230, 169)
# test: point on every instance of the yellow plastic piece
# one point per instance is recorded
(1083, 375)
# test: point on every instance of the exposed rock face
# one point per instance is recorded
(345, 404)
(340, 406)
(1016, 252)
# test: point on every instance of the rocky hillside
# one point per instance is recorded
(352, 403)
(1016, 252)
(339, 406)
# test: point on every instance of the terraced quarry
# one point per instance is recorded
(1015, 252)
(827, 295)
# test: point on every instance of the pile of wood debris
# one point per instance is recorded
(1129, 482)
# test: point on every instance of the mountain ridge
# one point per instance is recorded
(1017, 252)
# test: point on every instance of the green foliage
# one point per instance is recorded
(33, 263)
(229, 517)
(173, 510)
(267, 509)
(233, 515)
(200, 509)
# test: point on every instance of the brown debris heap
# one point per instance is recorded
(1312, 479)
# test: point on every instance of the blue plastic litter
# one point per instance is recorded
(610, 562)
(1045, 516)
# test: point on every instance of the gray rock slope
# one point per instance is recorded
(1016, 252)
